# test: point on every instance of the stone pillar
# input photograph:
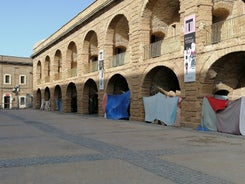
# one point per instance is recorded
(192, 103)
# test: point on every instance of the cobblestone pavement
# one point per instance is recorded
(39, 147)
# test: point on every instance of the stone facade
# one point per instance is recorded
(16, 74)
(140, 45)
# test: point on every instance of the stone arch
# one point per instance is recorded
(204, 72)
(160, 20)
(90, 97)
(90, 51)
(221, 12)
(118, 35)
(155, 16)
(39, 71)
(159, 76)
(71, 59)
(47, 69)
(58, 98)
(46, 94)
(71, 98)
(38, 99)
(117, 85)
(58, 65)
(227, 70)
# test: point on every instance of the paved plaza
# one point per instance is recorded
(38, 147)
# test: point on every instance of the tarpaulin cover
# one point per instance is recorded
(228, 119)
(208, 120)
(242, 117)
(217, 104)
(117, 106)
(160, 107)
(104, 101)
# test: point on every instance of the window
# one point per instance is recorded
(7, 79)
(22, 101)
(22, 79)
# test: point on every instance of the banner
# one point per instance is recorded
(190, 49)
(101, 70)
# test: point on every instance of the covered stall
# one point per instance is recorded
(223, 115)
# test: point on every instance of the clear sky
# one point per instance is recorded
(25, 22)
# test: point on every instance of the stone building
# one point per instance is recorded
(15, 82)
(141, 45)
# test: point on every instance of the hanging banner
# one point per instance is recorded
(190, 49)
(101, 70)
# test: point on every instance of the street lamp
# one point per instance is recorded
(16, 91)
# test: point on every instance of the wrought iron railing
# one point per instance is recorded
(225, 30)
(166, 46)
(118, 59)
(72, 72)
(91, 67)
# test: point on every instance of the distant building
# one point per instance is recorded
(15, 82)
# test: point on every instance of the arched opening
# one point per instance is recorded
(161, 21)
(118, 37)
(72, 59)
(38, 99)
(58, 98)
(228, 71)
(160, 91)
(47, 69)
(218, 23)
(45, 103)
(90, 52)
(225, 85)
(39, 72)
(118, 98)
(90, 97)
(58, 65)
(117, 85)
(47, 94)
(71, 95)
(160, 77)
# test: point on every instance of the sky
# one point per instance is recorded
(26, 22)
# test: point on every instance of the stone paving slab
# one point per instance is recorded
(214, 163)
(50, 147)
(93, 172)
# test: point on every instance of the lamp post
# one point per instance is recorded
(16, 91)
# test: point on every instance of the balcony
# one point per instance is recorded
(72, 72)
(224, 30)
(166, 46)
(91, 67)
(118, 59)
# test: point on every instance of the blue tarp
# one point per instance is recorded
(117, 106)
